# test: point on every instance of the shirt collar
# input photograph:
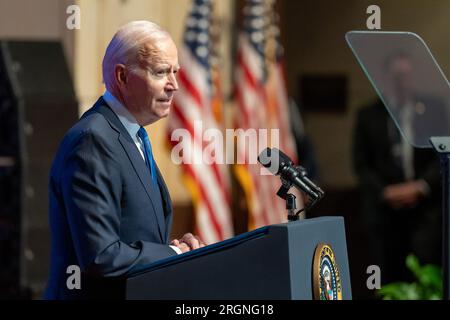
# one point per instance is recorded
(128, 120)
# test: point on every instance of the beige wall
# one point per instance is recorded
(315, 44)
(31, 19)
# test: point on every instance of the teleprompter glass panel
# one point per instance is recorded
(408, 80)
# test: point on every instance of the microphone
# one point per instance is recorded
(280, 164)
(308, 182)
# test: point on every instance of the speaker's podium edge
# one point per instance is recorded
(273, 262)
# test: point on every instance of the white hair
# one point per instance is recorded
(126, 45)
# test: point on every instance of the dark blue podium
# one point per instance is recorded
(273, 262)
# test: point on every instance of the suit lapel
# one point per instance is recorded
(144, 176)
(136, 160)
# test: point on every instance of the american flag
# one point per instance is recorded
(262, 104)
(208, 184)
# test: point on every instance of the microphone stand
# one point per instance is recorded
(290, 198)
(442, 146)
(291, 206)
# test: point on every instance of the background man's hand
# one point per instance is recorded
(404, 195)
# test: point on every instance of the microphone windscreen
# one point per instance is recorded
(265, 157)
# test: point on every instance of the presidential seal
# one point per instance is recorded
(326, 280)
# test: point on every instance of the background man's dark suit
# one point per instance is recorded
(394, 233)
(105, 214)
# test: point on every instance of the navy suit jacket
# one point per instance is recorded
(105, 214)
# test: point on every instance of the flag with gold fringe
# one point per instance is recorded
(262, 104)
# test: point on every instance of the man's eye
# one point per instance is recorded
(164, 72)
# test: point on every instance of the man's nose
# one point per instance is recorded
(173, 82)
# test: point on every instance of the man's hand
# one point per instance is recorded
(180, 245)
(188, 242)
(404, 195)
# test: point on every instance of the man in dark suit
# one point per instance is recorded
(110, 210)
(400, 184)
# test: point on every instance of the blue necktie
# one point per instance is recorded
(148, 154)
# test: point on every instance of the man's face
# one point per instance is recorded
(149, 88)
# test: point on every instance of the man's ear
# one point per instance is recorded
(120, 74)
